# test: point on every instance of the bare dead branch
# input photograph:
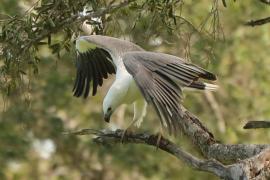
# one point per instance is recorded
(213, 149)
(256, 167)
(210, 147)
(258, 22)
(257, 124)
(108, 136)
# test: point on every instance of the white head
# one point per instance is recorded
(111, 102)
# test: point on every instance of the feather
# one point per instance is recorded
(92, 66)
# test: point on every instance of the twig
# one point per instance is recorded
(257, 124)
(75, 19)
(258, 22)
(225, 4)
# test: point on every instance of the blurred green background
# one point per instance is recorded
(32, 143)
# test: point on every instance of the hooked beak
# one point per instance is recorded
(107, 117)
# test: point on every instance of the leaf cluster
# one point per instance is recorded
(54, 24)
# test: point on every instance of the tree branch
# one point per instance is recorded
(256, 167)
(257, 124)
(210, 147)
(108, 137)
(77, 18)
(258, 22)
(213, 149)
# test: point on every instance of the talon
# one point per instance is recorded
(159, 137)
(123, 136)
(126, 132)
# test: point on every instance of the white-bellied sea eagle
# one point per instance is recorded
(142, 78)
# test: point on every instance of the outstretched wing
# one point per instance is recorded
(160, 78)
(92, 66)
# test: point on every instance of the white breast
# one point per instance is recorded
(125, 80)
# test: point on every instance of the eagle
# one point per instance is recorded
(142, 78)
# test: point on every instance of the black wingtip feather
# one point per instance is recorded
(197, 85)
(92, 66)
(209, 76)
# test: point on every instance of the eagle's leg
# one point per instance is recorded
(139, 113)
(140, 107)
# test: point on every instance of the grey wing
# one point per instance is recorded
(184, 73)
(92, 67)
(158, 77)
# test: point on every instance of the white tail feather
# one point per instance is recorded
(210, 87)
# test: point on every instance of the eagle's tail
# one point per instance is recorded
(203, 86)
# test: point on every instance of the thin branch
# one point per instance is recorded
(225, 4)
(257, 124)
(258, 22)
(77, 18)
